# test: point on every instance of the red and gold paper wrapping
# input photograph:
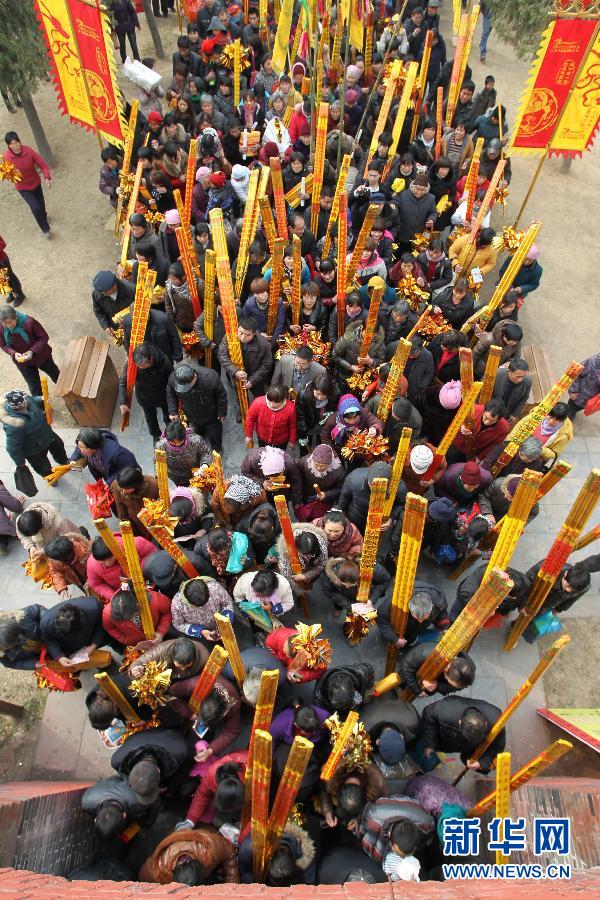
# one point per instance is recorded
(46, 398)
(439, 123)
(296, 278)
(186, 235)
(413, 524)
(487, 200)
(502, 800)
(563, 49)
(523, 429)
(386, 684)
(188, 267)
(465, 628)
(190, 177)
(275, 284)
(141, 310)
(559, 552)
(248, 232)
(530, 770)
(9, 172)
(263, 714)
(320, 140)
(342, 251)
(468, 29)
(489, 376)
(371, 321)
(397, 469)
(231, 645)
(209, 303)
(260, 786)
(371, 540)
(586, 539)
(287, 790)
(108, 686)
(160, 531)
(340, 189)
(112, 544)
(361, 240)
(137, 579)
(384, 112)
(278, 197)
(206, 680)
(292, 197)
(287, 532)
(466, 381)
(337, 751)
(405, 103)
(397, 366)
(268, 222)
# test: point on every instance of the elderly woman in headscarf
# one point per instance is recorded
(350, 418)
(311, 544)
(240, 180)
(275, 471)
(200, 195)
(322, 477)
(220, 194)
(241, 494)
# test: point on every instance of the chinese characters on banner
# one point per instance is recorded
(550, 835)
(77, 36)
(565, 46)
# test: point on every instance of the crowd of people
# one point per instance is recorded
(173, 810)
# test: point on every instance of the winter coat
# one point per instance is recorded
(260, 658)
(151, 383)
(148, 237)
(346, 350)
(372, 781)
(309, 417)
(332, 332)
(222, 733)
(218, 330)
(441, 729)
(251, 308)
(438, 618)
(410, 662)
(366, 420)
(379, 817)
(553, 447)
(165, 746)
(54, 524)
(106, 580)
(492, 501)
(484, 342)
(318, 316)
(125, 16)
(129, 505)
(528, 277)
(587, 385)
(179, 307)
(483, 258)
(27, 432)
(163, 652)
(65, 573)
(128, 633)
(106, 308)
(284, 371)
(469, 585)
(8, 502)
(330, 484)
(28, 162)
(251, 468)
(181, 460)
(414, 212)
(559, 600)
(455, 314)
(160, 331)
(160, 569)
(394, 427)
(450, 486)
(114, 457)
(113, 790)
(284, 591)
(394, 330)
(302, 846)
(418, 372)
(203, 799)
(273, 427)
(275, 642)
(37, 344)
(342, 597)
(205, 402)
(187, 618)
(355, 496)
(440, 274)
(259, 549)
(363, 678)
(317, 565)
(449, 369)
(282, 728)
(89, 632)
(26, 653)
(256, 357)
(514, 403)
(485, 438)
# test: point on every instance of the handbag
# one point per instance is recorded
(24, 481)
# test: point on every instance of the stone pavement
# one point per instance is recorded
(68, 747)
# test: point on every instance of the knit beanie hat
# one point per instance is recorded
(378, 470)
(172, 218)
(421, 458)
(511, 484)
(272, 461)
(441, 510)
(471, 474)
(155, 118)
(322, 455)
(451, 395)
(391, 746)
(202, 172)
(421, 180)
(353, 72)
(218, 179)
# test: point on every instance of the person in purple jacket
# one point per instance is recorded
(301, 720)
(26, 342)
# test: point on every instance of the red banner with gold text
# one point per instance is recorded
(563, 49)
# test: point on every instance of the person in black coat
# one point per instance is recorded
(71, 627)
(416, 207)
(153, 370)
(420, 367)
(160, 332)
(146, 252)
(203, 399)
(125, 23)
(114, 807)
(397, 321)
(344, 688)
(102, 709)
(314, 405)
(21, 637)
(262, 528)
(163, 573)
(469, 585)
(165, 748)
(339, 583)
(572, 583)
(436, 266)
(356, 494)
(448, 343)
(427, 608)
(460, 725)
(100, 450)
(455, 303)
(109, 296)
(456, 676)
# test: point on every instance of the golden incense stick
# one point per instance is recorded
(296, 278)
(340, 188)
(231, 645)
(361, 240)
(137, 579)
(160, 461)
(190, 177)
(247, 235)
(403, 106)
(209, 304)
(263, 714)
(286, 792)
(160, 532)
(510, 273)
(371, 321)
(397, 469)
(337, 751)
(397, 366)
(275, 285)
(112, 544)
(342, 268)
(320, 141)
(502, 800)
(489, 376)
(118, 698)
(261, 786)
(46, 399)
(515, 520)
(278, 197)
(208, 676)
(268, 222)
(370, 546)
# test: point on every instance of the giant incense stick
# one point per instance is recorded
(342, 251)
(403, 107)
(130, 211)
(137, 579)
(231, 645)
(278, 197)
(108, 686)
(188, 268)
(340, 188)
(586, 539)
(502, 801)
(511, 272)
(296, 278)
(209, 304)
(159, 530)
(489, 376)
(453, 428)
(208, 676)
(46, 399)
(543, 665)
(268, 222)
(287, 790)
(190, 177)
(260, 786)
(247, 235)
(124, 173)
(397, 469)
(263, 714)
(186, 236)
(565, 541)
(515, 520)
(337, 751)
(406, 569)
(421, 83)
(466, 381)
(370, 322)
(456, 66)
(361, 240)
(390, 388)
(465, 628)
(530, 770)
(275, 284)
(370, 545)
(320, 141)
(220, 479)
(160, 461)
(386, 105)
(139, 322)
(112, 544)
(288, 533)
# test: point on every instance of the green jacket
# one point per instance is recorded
(27, 432)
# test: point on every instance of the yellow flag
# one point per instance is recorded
(357, 30)
(282, 38)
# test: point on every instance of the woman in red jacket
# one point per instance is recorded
(121, 617)
(27, 161)
(274, 418)
(104, 574)
(233, 765)
(490, 430)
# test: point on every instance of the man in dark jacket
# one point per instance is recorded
(26, 342)
(203, 399)
(471, 584)
(456, 676)
(21, 638)
(152, 375)
(572, 583)
(417, 211)
(163, 572)
(114, 807)
(356, 494)
(397, 320)
(427, 608)
(256, 357)
(29, 438)
(160, 332)
(160, 749)
(529, 275)
(460, 725)
(512, 387)
(344, 688)
(420, 367)
(74, 626)
(110, 296)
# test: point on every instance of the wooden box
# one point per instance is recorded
(88, 382)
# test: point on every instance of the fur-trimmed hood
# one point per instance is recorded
(12, 419)
(299, 527)
(330, 567)
(302, 844)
